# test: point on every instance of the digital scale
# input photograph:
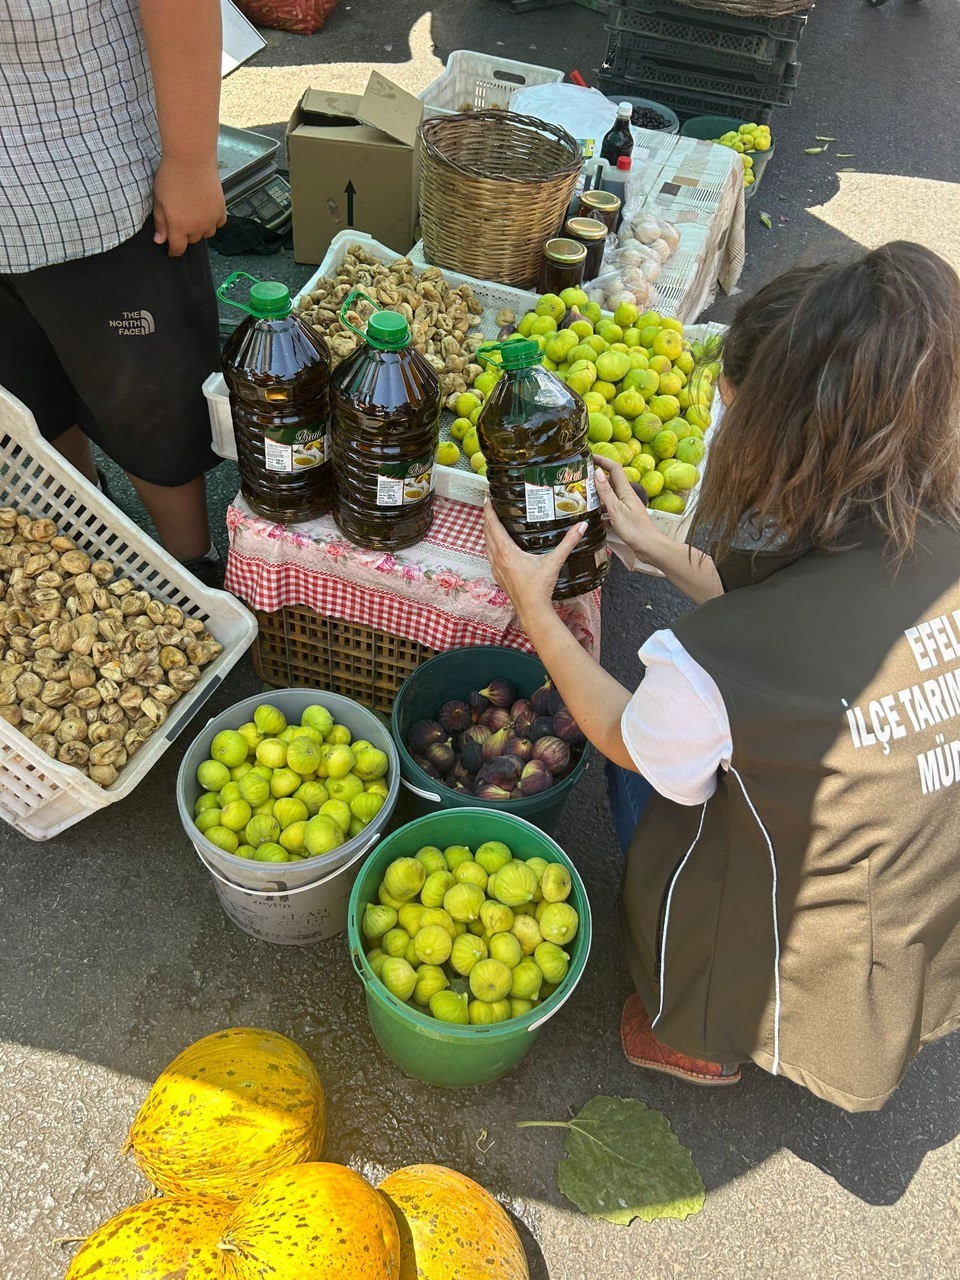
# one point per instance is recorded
(253, 186)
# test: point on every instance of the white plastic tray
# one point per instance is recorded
(479, 81)
(39, 796)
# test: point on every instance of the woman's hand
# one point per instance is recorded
(527, 579)
(626, 512)
(188, 203)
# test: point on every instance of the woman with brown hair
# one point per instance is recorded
(792, 891)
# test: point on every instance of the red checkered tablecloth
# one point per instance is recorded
(439, 593)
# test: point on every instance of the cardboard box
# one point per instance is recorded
(353, 164)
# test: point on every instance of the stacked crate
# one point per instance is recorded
(701, 62)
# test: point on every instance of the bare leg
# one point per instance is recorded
(180, 514)
(75, 447)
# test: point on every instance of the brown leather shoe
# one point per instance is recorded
(643, 1049)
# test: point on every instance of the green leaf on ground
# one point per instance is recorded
(844, 155)
(766, 220)
(813, 151)
(623, 1161)
(822, 139)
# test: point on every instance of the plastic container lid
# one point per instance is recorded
(270, 300)
(624, 109)
(522, 353)
(388, 331)
(623, 163)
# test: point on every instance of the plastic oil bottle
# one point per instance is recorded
(386, 403)
(533, 433)
(278, 372)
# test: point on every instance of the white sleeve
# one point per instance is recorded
(676, 726)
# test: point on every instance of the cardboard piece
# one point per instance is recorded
(353, 164)
(241, 39)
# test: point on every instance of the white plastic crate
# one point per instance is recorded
(39, 796)
(479, 82)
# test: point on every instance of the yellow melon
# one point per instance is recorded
(450, 1226)
(311, 1220)
(228, 1110)
(159, 1239)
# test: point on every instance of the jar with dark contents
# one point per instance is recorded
(592, 234)
(562, 266)
(602, 205)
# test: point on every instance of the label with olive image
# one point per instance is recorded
(401, 484)
(290, 449)
(560, 490)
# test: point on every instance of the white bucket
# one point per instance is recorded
(291, 903)
(291, 915)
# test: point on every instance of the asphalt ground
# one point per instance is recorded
(115, 953)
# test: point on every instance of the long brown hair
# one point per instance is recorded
(847, 404)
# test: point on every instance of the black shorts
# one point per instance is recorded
(118, 344)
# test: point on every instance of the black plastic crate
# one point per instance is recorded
(732, 29)
(652, 79)
(688, 104)
(701, 40)
(628, 44)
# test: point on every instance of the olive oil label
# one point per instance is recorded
(560, 490)
(402, 484)
(291, 449)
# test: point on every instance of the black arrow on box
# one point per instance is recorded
(350, 191)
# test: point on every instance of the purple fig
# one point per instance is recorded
(427, 767)
(536, 777)
(500, 692)
(454, 717)
(504, 332)
(504, 771)
(471, 756)
(554, 754)
(488, 791)
(477, 704)
(459, 773)
(566, 728)
(522, 748)
(463, 789)
(494, 745)
(477, 733)
(540, 698)
(423, 734)
(522, 720)
(521, 705)
(542, 727)
(496, 718)
(554, 702)
(442, 756)
(570, 318)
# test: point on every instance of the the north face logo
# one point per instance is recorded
(134, 324)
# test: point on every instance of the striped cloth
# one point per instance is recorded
(79, 142)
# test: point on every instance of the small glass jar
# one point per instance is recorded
(562, 267)
(602, 205)
(592, 234)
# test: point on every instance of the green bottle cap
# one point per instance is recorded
(521, 353)
(387, 331)
(270, 300)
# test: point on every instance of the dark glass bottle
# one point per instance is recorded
(278, 373)
(533, 432)
(386, 405)
(619, 141)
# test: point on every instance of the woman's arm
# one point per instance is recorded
(595, 699)
(183, 39)
(690, 571)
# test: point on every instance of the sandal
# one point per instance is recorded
(643, 1049)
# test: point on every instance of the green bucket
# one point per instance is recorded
(437, 1052)
(709, 127)
(453, 675)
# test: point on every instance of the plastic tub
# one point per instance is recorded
(290, 903)
(453, 675)
(672, 125)
(438, 1052)
(710, 127)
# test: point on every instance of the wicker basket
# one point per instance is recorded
(296, 646)
(752, 8)
(494, 188)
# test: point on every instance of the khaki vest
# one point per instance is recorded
(808, 915)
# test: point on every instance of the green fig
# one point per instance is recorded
(455, 854)
(437, 915)
(433, 944)
(463, 902)
(555, 883)
(395, 942)
(516, 884)
(527, 932)
(432, 859)
(559, 923)
(430, 980)
(495, 917)
(450, 1006)
(470, 872)
(408, 917)
(435, 886)
(552, 962)
(484, 1012)
(467, 952)
(492, 855)
(525, 980)
(505, 947)
(377, 920)
(491, 980)
(398, 977)
(404, 878)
